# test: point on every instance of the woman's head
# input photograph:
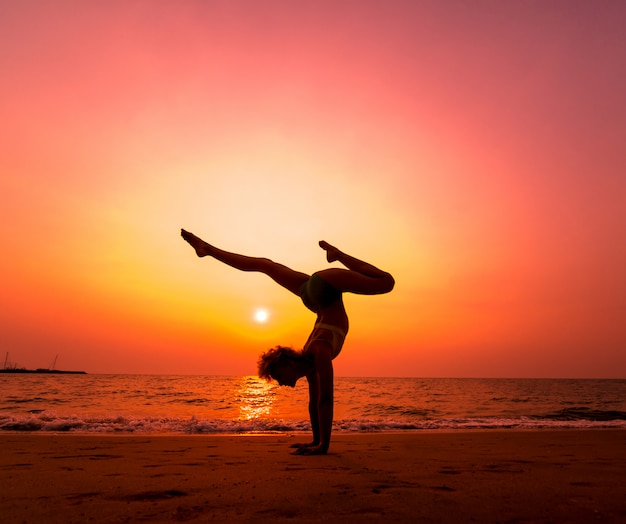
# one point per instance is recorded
(283, 364)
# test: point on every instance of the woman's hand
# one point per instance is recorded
(315, 450)
(309, 445)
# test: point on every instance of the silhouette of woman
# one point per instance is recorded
(321, 292)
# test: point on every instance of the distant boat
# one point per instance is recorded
(12, 368)
(43, 371)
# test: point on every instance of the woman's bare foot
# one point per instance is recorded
(202, 248)
(332, 253)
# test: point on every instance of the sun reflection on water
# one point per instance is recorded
(255, 398)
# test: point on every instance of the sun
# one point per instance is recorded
(261, 315)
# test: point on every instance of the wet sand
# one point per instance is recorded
(470, 476)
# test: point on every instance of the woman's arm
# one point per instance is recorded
(321, 400)
(302, 449)
(313, 411)
(325, 403)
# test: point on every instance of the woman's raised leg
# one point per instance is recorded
(360, 277)
(282, 275)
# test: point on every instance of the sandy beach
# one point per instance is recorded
(470, 476)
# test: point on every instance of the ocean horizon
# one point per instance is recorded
(196, 404)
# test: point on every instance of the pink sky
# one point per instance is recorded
(475, 150)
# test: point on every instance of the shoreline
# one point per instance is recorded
(428, 476)
(306, 433)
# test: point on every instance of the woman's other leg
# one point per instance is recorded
(282, 275)
(360, 277)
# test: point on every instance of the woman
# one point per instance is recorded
(322, 294)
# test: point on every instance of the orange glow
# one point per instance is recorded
(475, 154)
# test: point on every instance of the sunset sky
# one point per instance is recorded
(473, 149)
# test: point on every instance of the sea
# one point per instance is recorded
(169, 404)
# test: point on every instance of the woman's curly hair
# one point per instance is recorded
(269, 361)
